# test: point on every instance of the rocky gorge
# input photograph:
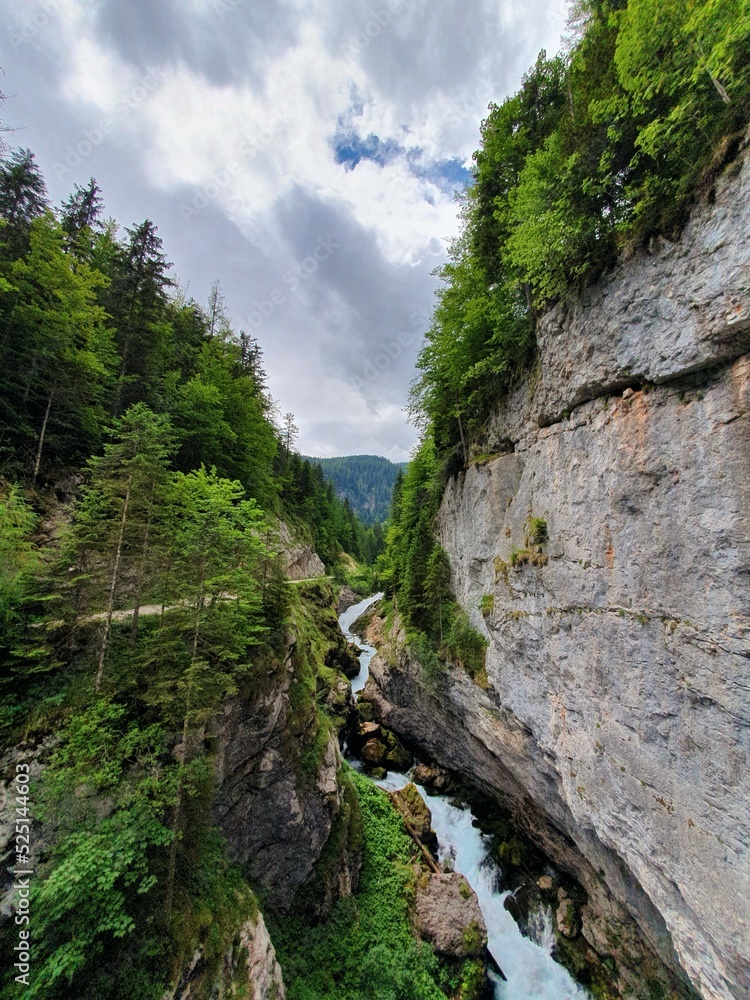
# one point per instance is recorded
(599, 541)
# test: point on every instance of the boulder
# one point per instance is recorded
(373, 752)
(447, 915)
(416, 813)
(433, 779)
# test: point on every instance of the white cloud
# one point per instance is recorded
(222, 125)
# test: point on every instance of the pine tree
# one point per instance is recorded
(112, 531)
(80, 215)
(137, 301)
(216, 559)
(23, 193)
(56, 354)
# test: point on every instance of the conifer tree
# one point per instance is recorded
(137, 302)
(23, 197)
(56, 353)
(80, 215)
(113, 522)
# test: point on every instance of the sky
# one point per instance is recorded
(305, 153)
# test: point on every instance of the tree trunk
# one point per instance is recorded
(463, 438)
(43, 431)
(721, 90)
(141, 565)
(113, 584)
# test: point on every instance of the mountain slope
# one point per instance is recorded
(366, 481)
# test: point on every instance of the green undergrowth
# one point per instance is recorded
(365, 949)
(317, 653)
(361, 577)
(416, 575)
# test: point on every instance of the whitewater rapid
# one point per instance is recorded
(532, 973)
(346, 620)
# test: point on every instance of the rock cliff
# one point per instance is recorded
(608, 519)
(281, 800)
(249, 970)
(299, 558)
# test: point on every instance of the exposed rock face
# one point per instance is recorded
(249, 970)
(347, 598)
(277, 816)
(263, 972)
(447, 914)
(619, 665)
(301, 561)
(32, 758)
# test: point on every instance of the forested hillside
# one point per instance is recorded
(604, 148)
(142, 482)
(366, 481)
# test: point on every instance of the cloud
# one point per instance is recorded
(305, 153)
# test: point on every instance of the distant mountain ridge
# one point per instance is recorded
(366, 481)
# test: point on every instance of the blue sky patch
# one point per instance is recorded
(350, 149)
(445, 174)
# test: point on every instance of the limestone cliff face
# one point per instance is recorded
(249, 970)
(299, 559)
(281, 800)
(618, 705)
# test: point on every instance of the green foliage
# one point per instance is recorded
(366, 481)
(416, 573)
(422, 649)
(685, 72)
(107, 790)
(155, 596)
(18, 554)
(487, 604)
(57, 354)
(466, 645)
(474, 980)
(412, 572)
(511, 851)
(473, 937)
(537, 531)
(365, 949)
(598, 151)
(309, 498)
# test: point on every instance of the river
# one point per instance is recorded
(532, 973)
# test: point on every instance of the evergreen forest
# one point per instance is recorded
(366, 481)
(145, 472)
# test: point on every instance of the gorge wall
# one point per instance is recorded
(617, 713)
(282, 801)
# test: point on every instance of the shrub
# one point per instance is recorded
(537, 531)
(487, 604)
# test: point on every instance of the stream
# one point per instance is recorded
(532, 973)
